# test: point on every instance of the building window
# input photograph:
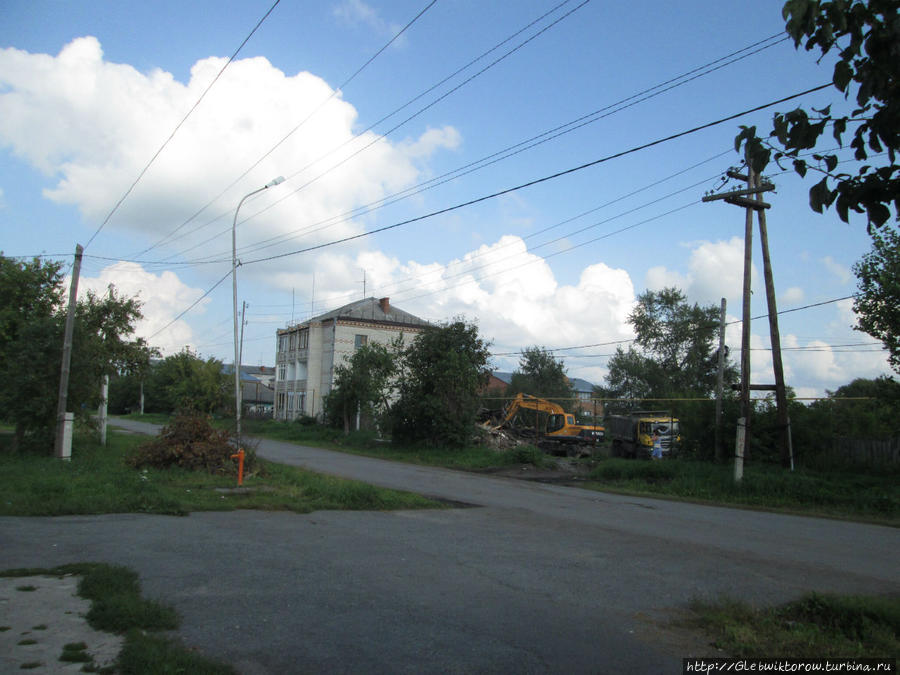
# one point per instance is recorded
(360, 340)
(283, 343)
(304, 338)
(282, 371)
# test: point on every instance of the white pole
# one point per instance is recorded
(104, 401)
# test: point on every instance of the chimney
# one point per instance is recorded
(385, 304)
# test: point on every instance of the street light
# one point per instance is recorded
(237, 358)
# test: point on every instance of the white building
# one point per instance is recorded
(307, 353)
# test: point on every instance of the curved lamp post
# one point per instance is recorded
(237, 358)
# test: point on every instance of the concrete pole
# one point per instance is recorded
(104, 406)
(59, 449)
(720, 383)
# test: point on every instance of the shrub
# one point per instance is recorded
(191, 442)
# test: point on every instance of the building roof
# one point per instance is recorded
(372, 309)
(577, 383)
(250, 373)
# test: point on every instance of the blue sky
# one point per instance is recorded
(89, 92)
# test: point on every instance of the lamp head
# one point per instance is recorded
(274, 182)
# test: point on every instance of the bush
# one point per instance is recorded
(190, 442)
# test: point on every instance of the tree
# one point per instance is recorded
(541, 374)
(31, 335)
(632, 375)
(186, 381)
(866, 34)
(362, 385)
(673, 357)
(678, 337)
(443, 370)
(878, 275)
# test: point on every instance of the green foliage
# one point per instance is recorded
(31, 339)
(878, 276)
(190, 442)
(865, 495)
(865, 34)
(543, 375)
(676, 357)
(445, 367)
(184, 380)
(814, 626)
(363, 385)
(144, 653)
(99, 479)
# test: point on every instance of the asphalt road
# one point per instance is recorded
(533, 579)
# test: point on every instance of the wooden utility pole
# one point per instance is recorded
(63, 445)
(720, 382)
(755, 188)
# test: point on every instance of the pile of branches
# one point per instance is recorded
(192, 443)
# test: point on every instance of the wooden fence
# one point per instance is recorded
(868, 452)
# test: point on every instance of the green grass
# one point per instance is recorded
(367, 443)
(815, 626)
(868, 496)
(117, 607)
(99, 480)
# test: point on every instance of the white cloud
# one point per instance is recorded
(91, 126)
(163, 297)
(840, 272)
(715, 271)
(793, 295)
(357, 12)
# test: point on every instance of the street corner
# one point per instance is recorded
(43, 628)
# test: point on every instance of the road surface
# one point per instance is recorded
(532, 578)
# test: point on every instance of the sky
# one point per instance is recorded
(482, 160)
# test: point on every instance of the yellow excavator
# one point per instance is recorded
(561, 434)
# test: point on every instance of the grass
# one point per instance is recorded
(117, 607)
(872, 496)
(367, 443)
(98, 480)
(815, 626)
(868, 496)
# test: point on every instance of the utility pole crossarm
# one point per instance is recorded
(766, 187)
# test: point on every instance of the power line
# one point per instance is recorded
(626, 341)
(545, 179)
(383, 136)
(178, 126)
(509, 151)
(298, 126)
(192, 305)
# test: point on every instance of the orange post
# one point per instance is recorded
(240, 459)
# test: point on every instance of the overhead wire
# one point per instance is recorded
(179, 125)
(434, 102)
(541, 180)
(505, 153)
(321, 105)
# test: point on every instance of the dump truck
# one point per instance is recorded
(632, 433)
(560, 435)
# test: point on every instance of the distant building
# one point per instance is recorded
(307, 353)
(257, 388)
(584, 392)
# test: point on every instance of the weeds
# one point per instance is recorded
(863, 495)
(100, 480)
(815, 626)
(117, 607)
